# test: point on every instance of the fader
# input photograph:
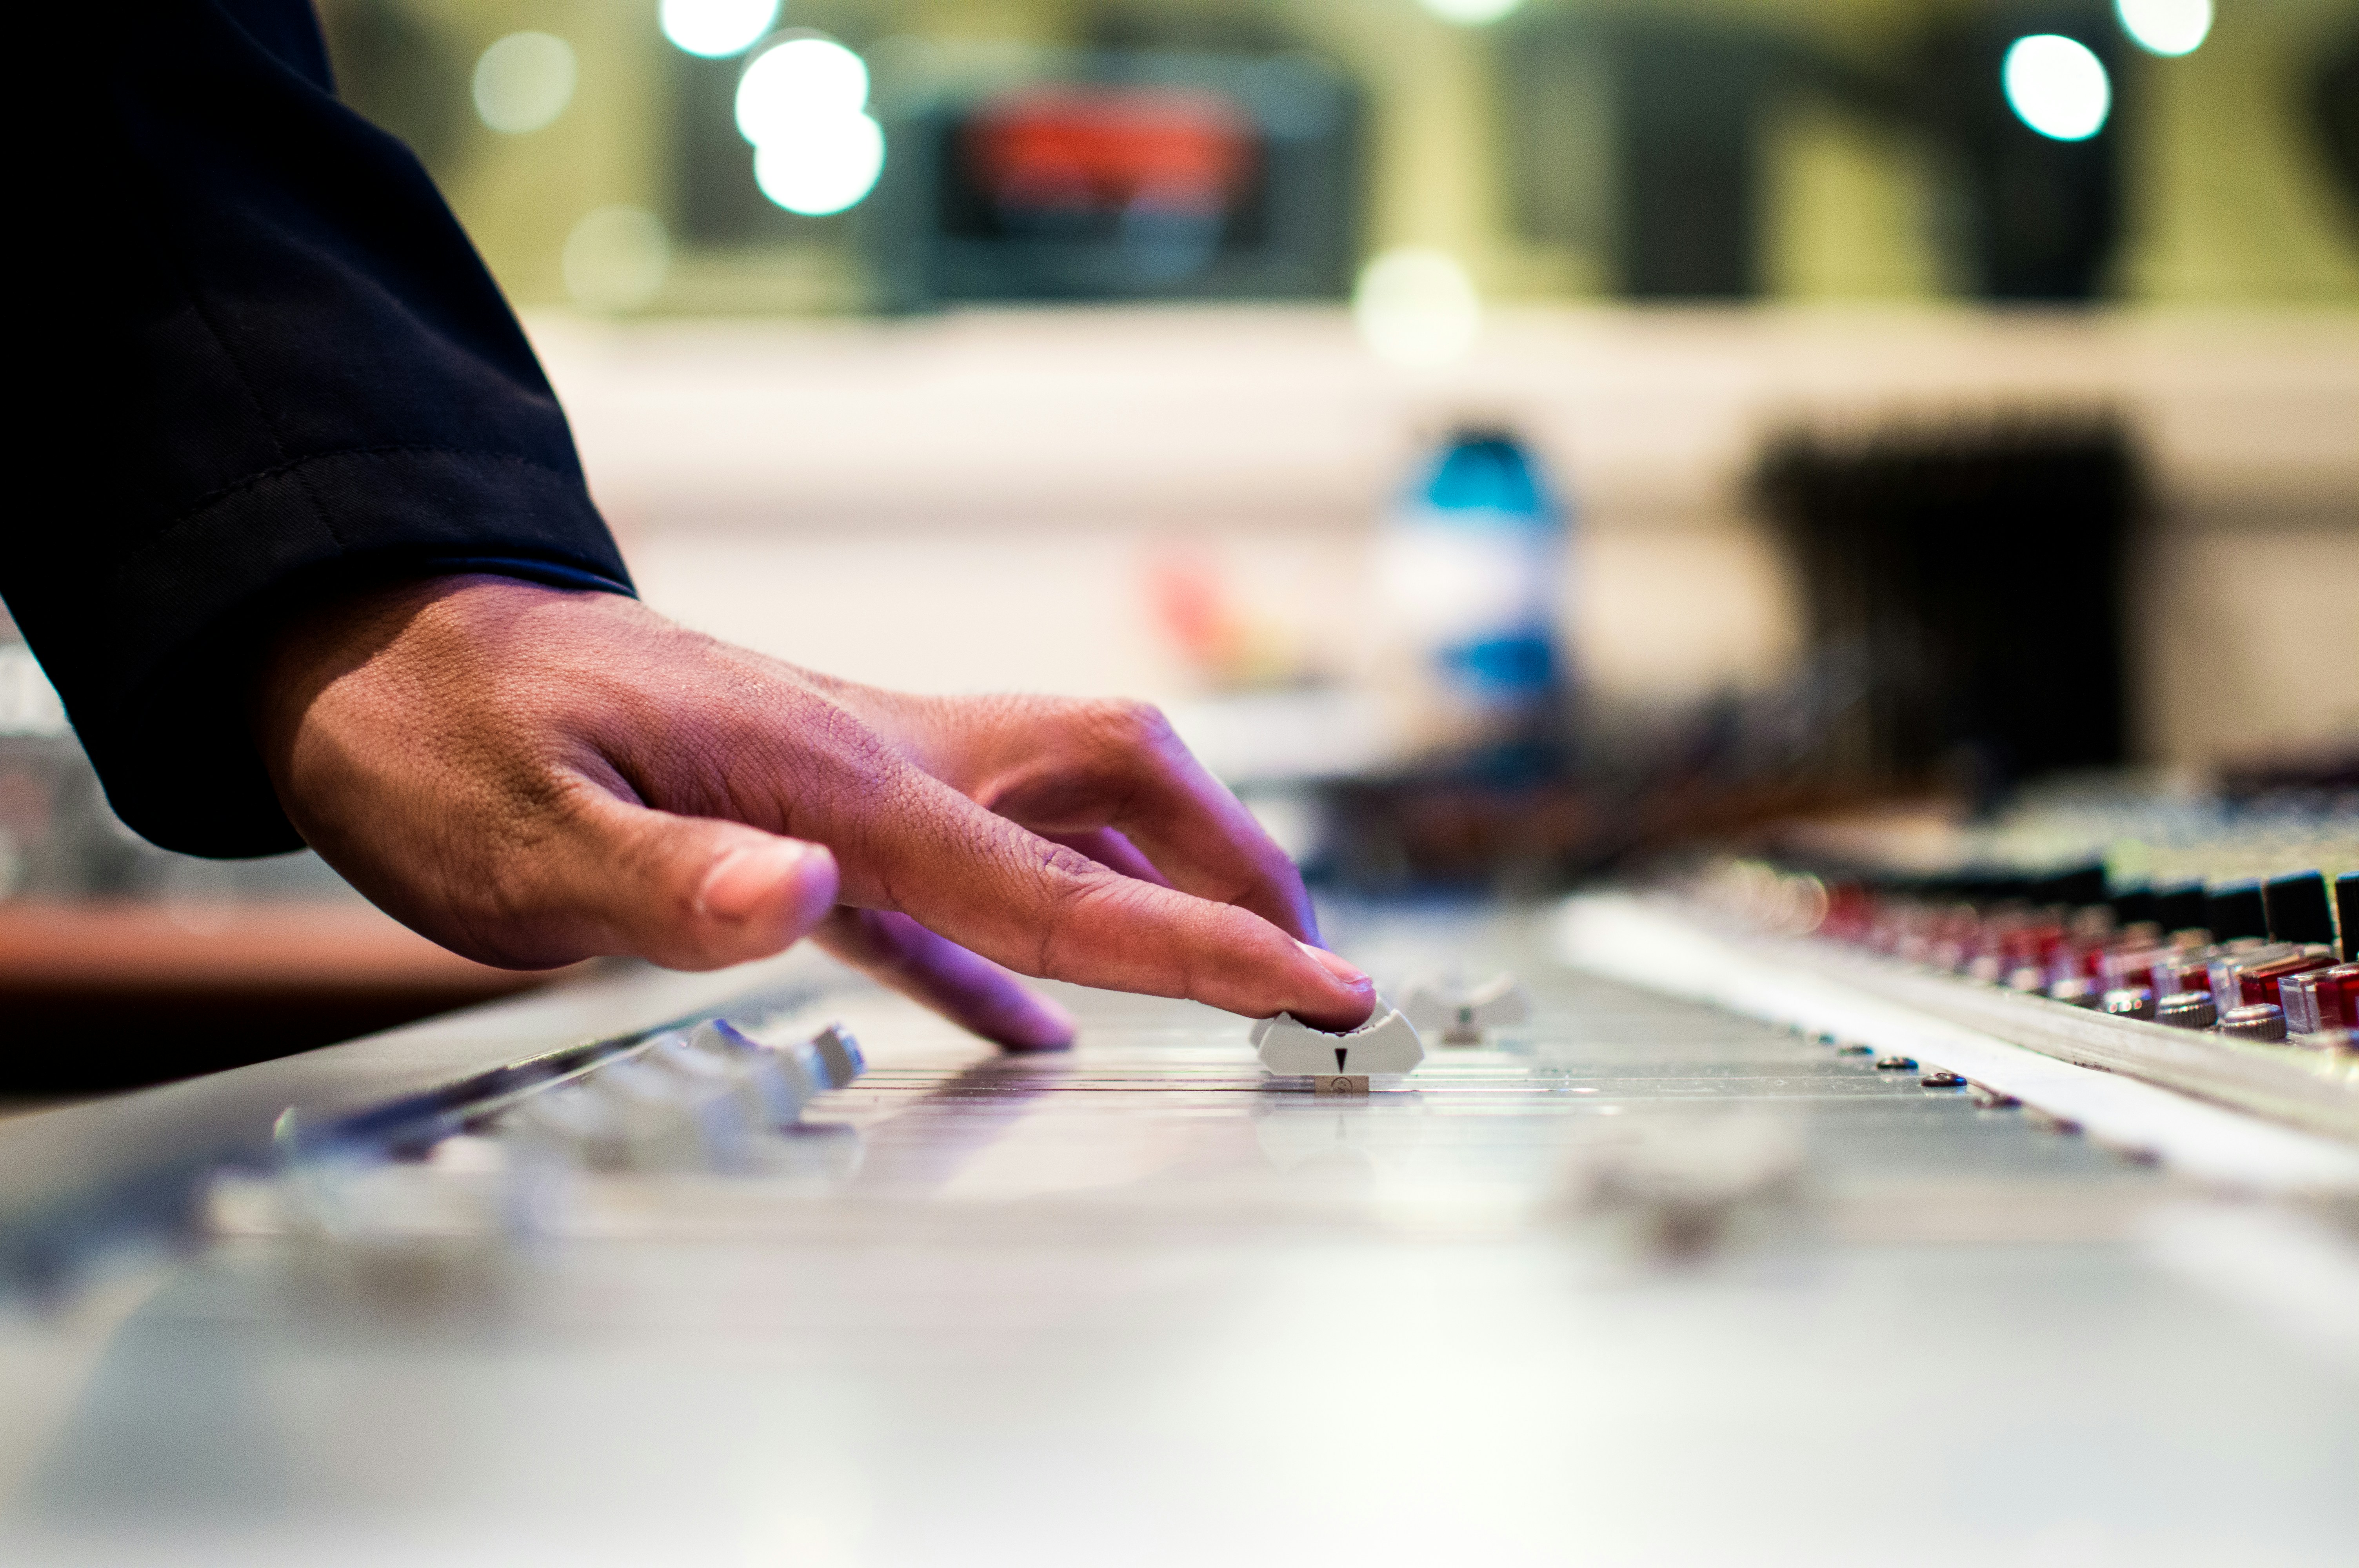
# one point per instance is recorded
(1338, 1063)
(1464, 1013)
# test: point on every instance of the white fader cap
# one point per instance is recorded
(1463, 1013)
(1386, 1043)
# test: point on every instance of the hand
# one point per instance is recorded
(530, 776)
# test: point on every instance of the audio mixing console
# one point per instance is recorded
(771, 1267)
(2183, 943)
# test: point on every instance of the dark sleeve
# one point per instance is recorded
(267, 365)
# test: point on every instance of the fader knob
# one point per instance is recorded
(1463, 1013)
(2135, 905)
(2235, 909)
(2180, 906)
(841, 1053)
(676, 1120)
(2297, 909)
(1388, 1043)
(775, 1089)
(571, 1124)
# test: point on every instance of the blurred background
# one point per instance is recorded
(1509, 438)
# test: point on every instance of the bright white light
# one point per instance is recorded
(524, 82)
(716, 29)
(801, 103)
(1471, 13)
(800, 81)
(615, 258)
(2056, 86)
(823, 165)
(2166, 27)
(1416, 307)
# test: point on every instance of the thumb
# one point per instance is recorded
(694, 892)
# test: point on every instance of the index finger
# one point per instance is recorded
(1120, 765)
(1041, 909)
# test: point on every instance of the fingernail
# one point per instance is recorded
(1338, 968)
(738, 882)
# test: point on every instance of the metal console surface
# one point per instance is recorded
(1635, 1280)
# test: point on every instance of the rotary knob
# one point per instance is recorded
(2261, 1021)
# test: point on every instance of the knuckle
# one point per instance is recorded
(1069, 873)
(1120, 739)
(1134, 725)
(1081, 896)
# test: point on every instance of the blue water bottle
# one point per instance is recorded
(1471, 567)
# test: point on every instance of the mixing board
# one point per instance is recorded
(772, 1267)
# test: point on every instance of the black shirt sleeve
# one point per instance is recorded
(267, 365)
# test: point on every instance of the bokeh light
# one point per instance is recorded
(616, 257)
(1417, 307)
(2166, 27)
(802, 104)
(823, 166)
(1471, 13)
(2056, 86)
(801, 79)
(524, 82)
(717, 28)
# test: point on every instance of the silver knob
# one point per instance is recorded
(2261, 1021)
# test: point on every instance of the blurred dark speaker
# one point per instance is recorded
(1971, 579)
(2335, 101)
(2035, 218)
(1688, 107)
(1641, 136)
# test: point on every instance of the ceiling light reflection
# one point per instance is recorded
(524, 82)
(801, 79)
(1471, 13)
(717, 28)
(2166, 27)
(2056, 86)
(615, 258)
(1416, 307)
(821, 165)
